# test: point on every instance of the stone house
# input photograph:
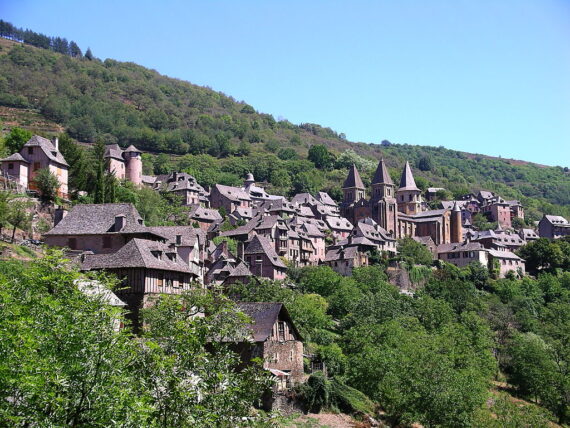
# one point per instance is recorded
(185, 187)
(274, 337)
(553, 227)
(507, 261)
(146, 268)
(262, 259)
(205, 217)
(38, 153)
(344, 258)
(125, 164)
(463, 254)
(229, 198)
(99, 228)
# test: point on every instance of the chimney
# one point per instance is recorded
(178, 239)
(119, 222)
(59, 215)
(56, 143)
(240, 250)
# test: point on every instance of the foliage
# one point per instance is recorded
(48, 184)
(414, 252)
(546, 255)
(65, 362)
(16, 139)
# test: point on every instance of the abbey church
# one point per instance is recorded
(401, 212)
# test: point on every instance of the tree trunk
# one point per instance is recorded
(13, 233)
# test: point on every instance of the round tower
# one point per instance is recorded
(133, 162)
(249, 180)
(456, 226)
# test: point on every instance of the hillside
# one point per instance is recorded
(218, 138)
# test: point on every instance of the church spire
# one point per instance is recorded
(382, 176)
(407, 181)
(353, 179)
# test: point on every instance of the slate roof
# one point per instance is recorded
(188, 234)
(205, 214)
(137, 253)
(16, 157)
(504, 255)
(325, 198)
(114, 151)
(261, 245)
(381, 175)
(304, 198)
(448, 205)
(96, 219)
(353, 179)
(456, 247)
(556, 219)
(264, 315)
(341, 253)
(407, 181)
(48, 148)
(232, 193)
(240, 270)
(338, 223)
(312, 230)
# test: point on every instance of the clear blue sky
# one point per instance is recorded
(484, 76)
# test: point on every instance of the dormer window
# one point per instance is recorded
(157, 254)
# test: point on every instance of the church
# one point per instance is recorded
(401, 212)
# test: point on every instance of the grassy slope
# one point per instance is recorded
(47, 92)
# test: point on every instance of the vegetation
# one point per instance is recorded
(432, 358)
(64, 362)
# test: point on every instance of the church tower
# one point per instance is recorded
(353, 187)
(409, 196)
(456, 225)
(353, 191)
(383, 202)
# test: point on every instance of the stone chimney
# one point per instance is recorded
(240, 250)
(120, 221)
(59, 215)
(56, 143)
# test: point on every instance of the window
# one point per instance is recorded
(106, 242)
(160, 279)
(36, 166)
(30, 150)
(72, 243)
(281, 331)
(10, 166)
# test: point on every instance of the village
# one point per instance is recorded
(269, 235)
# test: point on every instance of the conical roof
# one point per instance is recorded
(407, 181)
(353, 179)
(381, 175)
(456, 207)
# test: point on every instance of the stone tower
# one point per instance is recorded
(133, 162)
(353, 191)
(383, 201)
(353, 188)
(456, 224)
(409, 196)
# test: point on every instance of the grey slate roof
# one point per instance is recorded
(233, 193)
(48, 148)
(205, 214)
(341, 253)
(137, 253)
(338, 223)
(382, 175)
(325, 198)
(264, 315)
(188, 234)
(261, 245)
(407, 181)
(114, 151)
(16, 157)
(240, 270)
(353, 179)
(95, 219)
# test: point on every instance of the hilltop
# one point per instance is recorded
(218, 138)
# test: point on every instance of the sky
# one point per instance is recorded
(486, 76)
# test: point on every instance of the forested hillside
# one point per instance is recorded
(219, 139)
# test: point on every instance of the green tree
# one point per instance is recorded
(19, 215)
(16, 139)
(320, 156)
(414, 252)
(48, 184)
(5, 198)
(425, 163)
(541, 254)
